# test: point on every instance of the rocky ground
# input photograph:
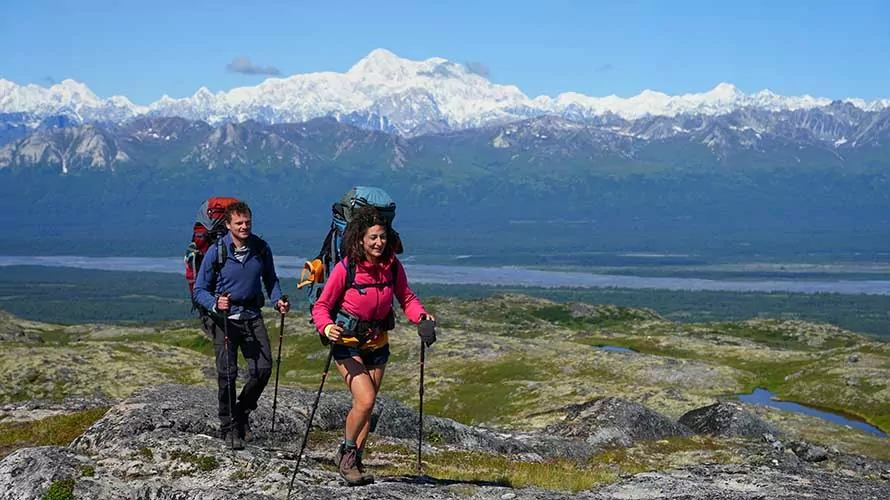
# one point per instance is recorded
(160, 444)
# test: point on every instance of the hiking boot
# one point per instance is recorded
(366, 477)
(246, 432)
(232, 440)
(346, 462)
(242, 425)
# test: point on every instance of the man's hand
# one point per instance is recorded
(222, 302)
(282, 305)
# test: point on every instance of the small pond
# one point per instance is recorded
(614, 348)
(765, 397)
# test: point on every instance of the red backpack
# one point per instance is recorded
(210, 225)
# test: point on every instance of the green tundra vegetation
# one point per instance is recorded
(529, 357)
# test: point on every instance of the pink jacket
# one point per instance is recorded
(374, 304)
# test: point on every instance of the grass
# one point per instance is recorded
(643, 345)
(774, 335)
(488, 469)
(51, 431)
(61, 490)
(822, 391)
(502, 383)
(240, 475)
(199, 343)
(555, 474)
(602, 316)
(203, 463)
(669, 453)
(57, 336)
(527, 317)
(770, 375)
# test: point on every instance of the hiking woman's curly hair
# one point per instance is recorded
(363, 219)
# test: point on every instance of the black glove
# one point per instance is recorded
(427, 330)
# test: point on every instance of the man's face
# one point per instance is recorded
(239, 226)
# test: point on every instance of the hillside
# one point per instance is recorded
(518, 400)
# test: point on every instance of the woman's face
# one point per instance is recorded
(374, 242)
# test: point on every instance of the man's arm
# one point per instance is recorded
(205, 282)
(270, 277)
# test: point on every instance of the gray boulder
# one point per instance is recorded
(611, 422)
(727, 419)
(808, 451)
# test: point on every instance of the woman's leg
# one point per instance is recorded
(364, 394)
(376, 375)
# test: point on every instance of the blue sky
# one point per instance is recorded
(144, 49)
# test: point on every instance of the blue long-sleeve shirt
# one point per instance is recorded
(244, 280)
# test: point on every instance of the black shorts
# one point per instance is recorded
(373, 357)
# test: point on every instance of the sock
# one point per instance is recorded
(348, 443)
(359, 453)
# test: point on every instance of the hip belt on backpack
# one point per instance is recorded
(363, 330)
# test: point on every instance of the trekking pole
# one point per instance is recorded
(229, 382)
(420, 420)
(324, 374)
(278, 365)
(426, 328)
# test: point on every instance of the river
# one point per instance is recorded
(290, 267)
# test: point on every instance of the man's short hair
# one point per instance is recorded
(240, 208)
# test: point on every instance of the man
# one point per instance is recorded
(233, 293)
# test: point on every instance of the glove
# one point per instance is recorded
(427, 330)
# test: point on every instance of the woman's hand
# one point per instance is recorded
(426, 328)
(333, 332)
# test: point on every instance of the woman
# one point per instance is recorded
(355, 311)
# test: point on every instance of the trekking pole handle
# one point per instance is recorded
(226, 295)
(426, 328)
(283, 299)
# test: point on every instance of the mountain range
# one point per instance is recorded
(67, 124)
(451, 145)
(389, 93)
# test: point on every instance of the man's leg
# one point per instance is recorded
(226, 370)
(258, 353)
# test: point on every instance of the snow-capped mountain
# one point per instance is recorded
(385, 92)
(68, 98)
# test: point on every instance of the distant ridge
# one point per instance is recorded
(390, 93)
